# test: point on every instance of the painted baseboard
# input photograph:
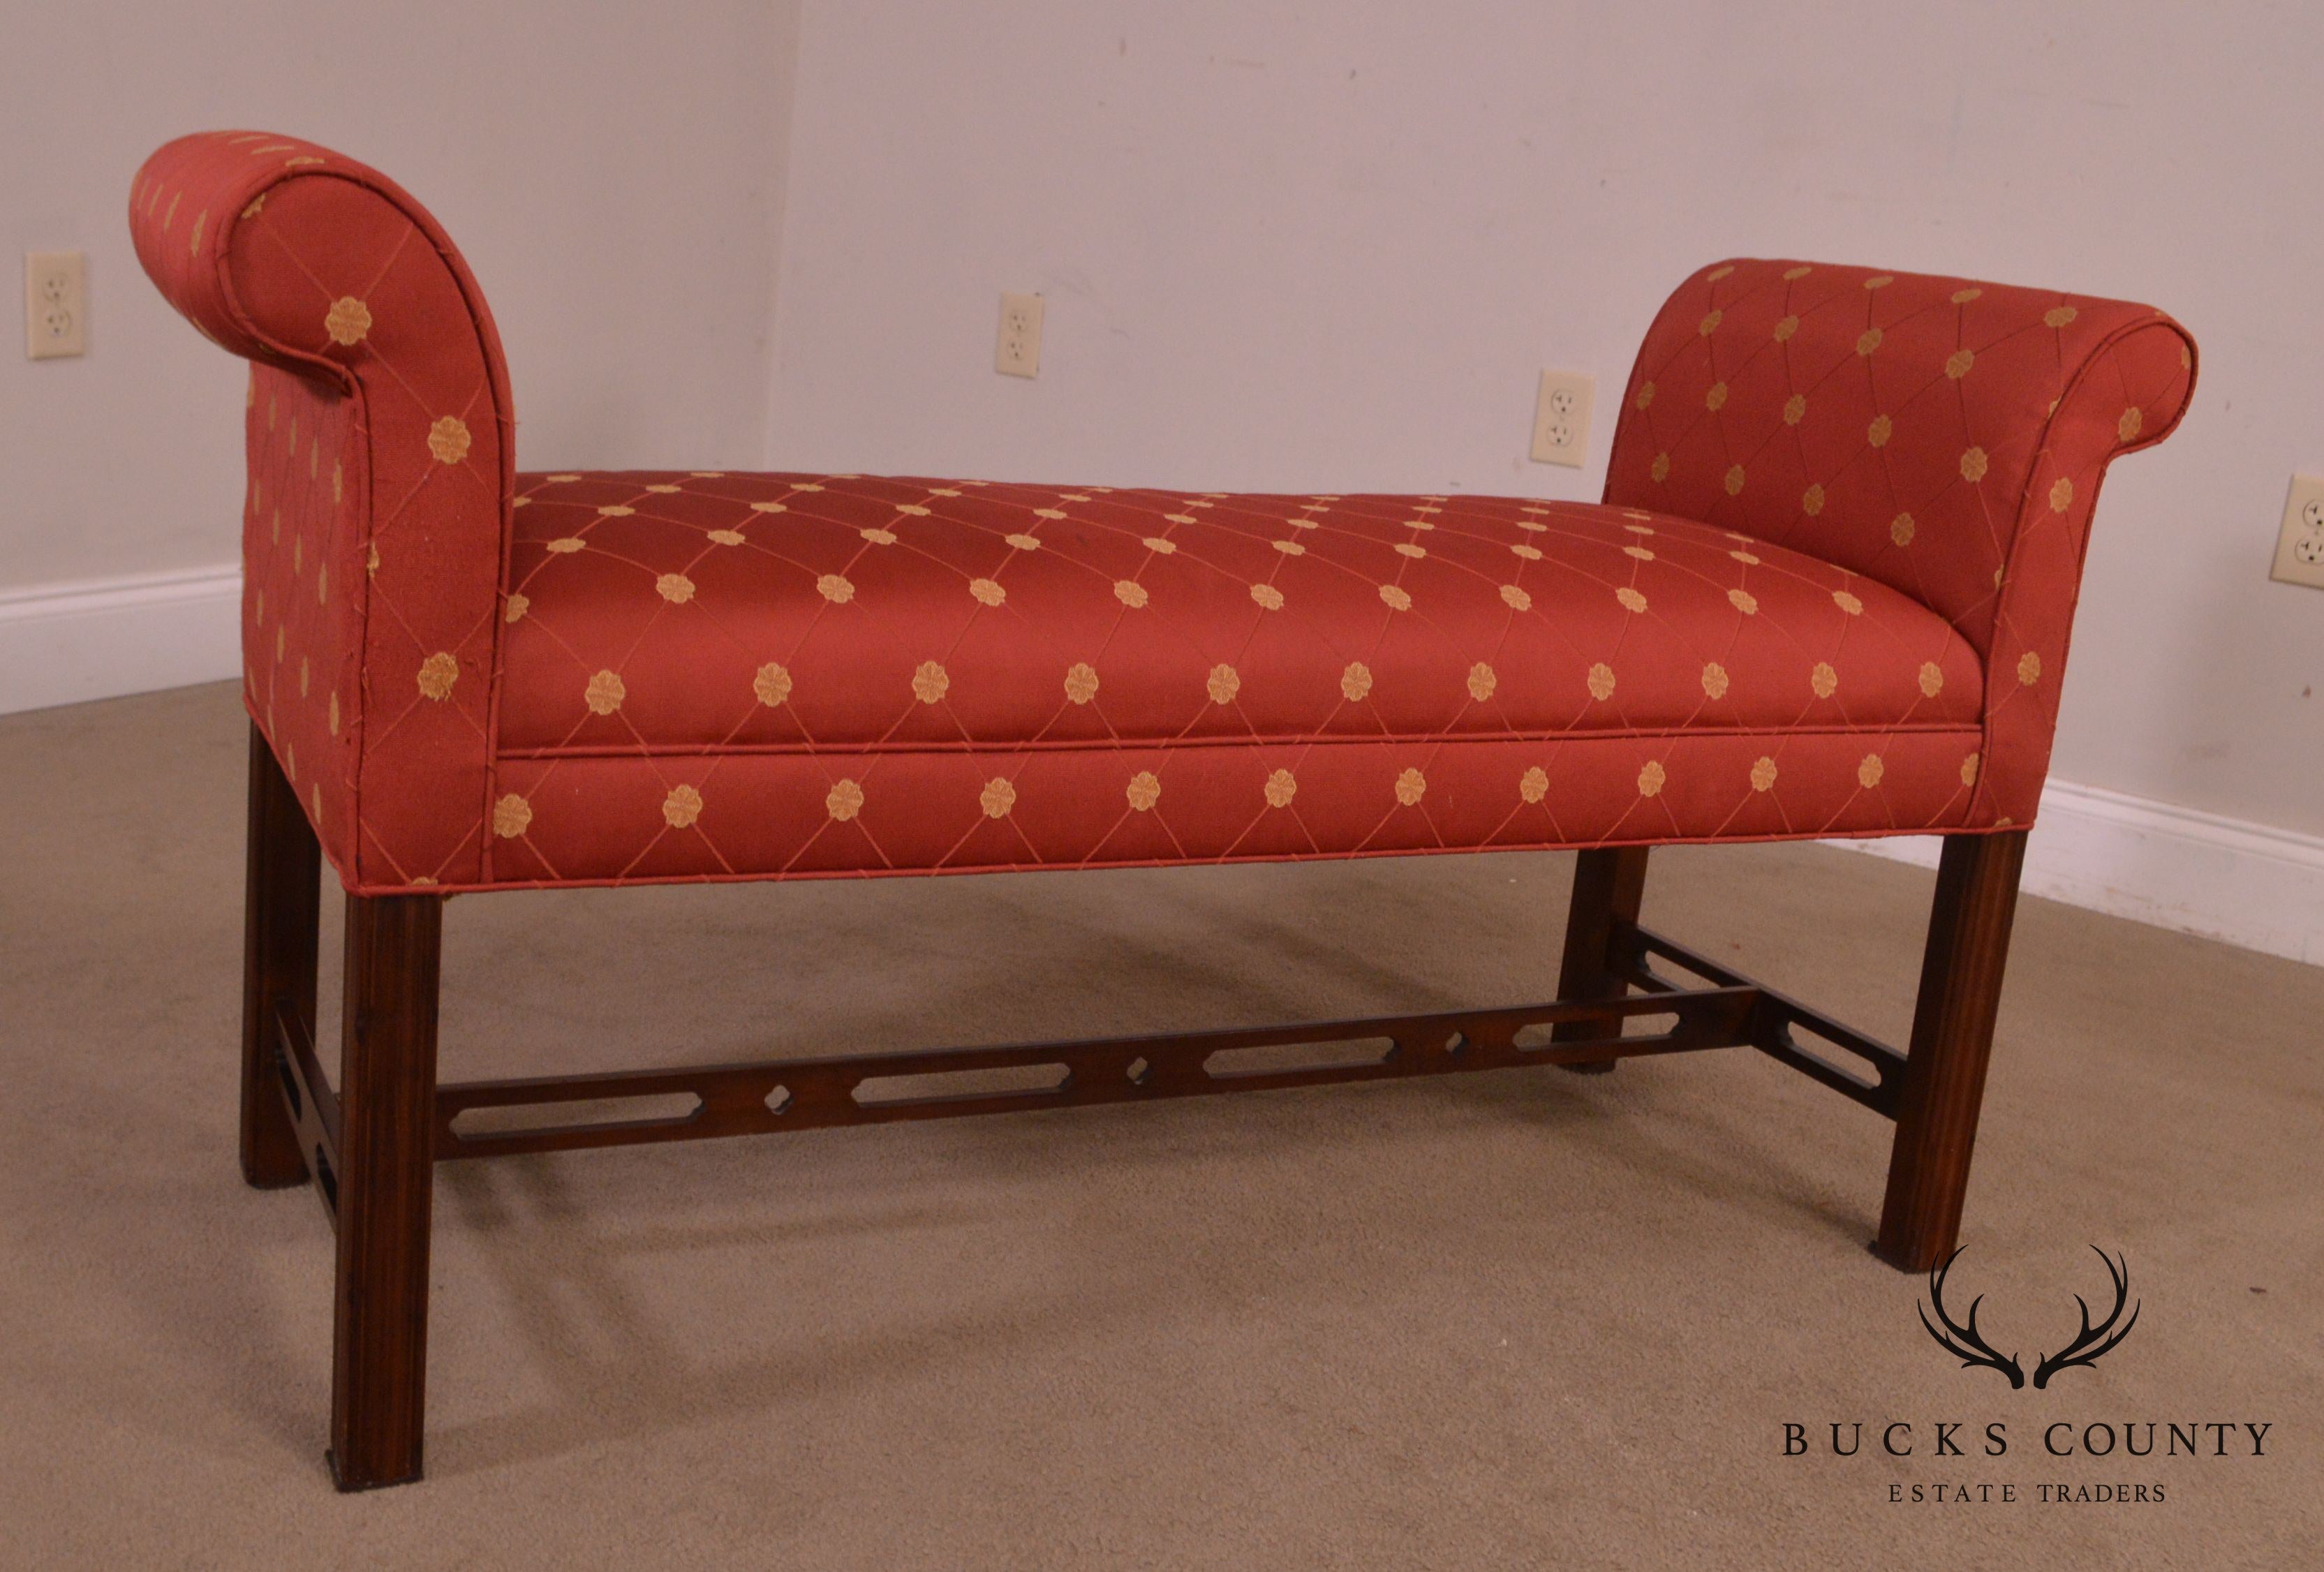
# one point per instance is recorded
(2248, 884)
(2251, 885)
(61, 644)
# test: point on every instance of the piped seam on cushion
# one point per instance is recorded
(1970, 729)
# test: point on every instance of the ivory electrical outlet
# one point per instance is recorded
(1019, 354)
(56, 304)
(2300, 547)
(1561, 419)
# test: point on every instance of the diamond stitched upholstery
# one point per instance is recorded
(847, 634)
(1942, 435)
(378, 463)
(1829, 594)
(665, 612)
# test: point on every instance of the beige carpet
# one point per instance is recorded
(1517, 1319)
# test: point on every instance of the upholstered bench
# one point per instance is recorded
(1827, 594)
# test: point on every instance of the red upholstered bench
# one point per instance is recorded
(1827, 594)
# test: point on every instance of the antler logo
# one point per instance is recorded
(2092, 1341)
(1962, 1340)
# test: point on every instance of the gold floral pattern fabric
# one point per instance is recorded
(1943, 437)
(983, 694)
(379, 473)
(1828, 593)
(1615, 634)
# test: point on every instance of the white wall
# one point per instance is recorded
(612, 172)
(1329, 247)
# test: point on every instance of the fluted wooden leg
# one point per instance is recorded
(281, 917)
(379, 1346)
(1608, 885)
(1952, 1040)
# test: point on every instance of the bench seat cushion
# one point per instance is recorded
(726, 675)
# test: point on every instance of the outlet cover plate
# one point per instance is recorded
(2300, 544)
(56, 304)
(1018, 352)
(1561, 419)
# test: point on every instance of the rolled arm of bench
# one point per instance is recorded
(376, 523)
(1941, 436)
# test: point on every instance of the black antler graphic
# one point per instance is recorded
(1964, 1339)
(2091, 1341)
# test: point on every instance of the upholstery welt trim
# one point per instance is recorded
(1141, 744)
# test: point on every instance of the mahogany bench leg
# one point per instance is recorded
(1952, 1039)
(281, 917)
(1609, 883)
(387, 1160)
